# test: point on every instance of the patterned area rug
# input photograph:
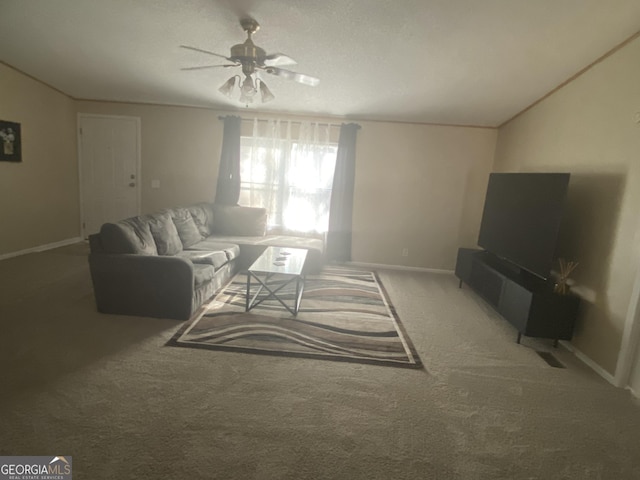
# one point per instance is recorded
(345, 315)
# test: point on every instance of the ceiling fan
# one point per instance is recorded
(253, 59)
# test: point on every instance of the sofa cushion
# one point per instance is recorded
(202, 274)
(210, 244)
(202, 214)
(216, 258)
(128, 236)
(187, 229)
(238, 220)
(165, 234)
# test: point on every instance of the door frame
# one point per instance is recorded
(137, 121)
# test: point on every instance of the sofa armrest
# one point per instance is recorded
(143, 285)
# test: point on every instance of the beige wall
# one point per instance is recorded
(38, 197)
(180, 147)
(419, 187)
(589, 128)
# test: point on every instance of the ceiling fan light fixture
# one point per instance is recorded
(248, 88)
(265, 93)
(246, 100)
(247, 91)
(253, 59)
(227, 88)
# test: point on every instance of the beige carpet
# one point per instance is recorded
(105, 390)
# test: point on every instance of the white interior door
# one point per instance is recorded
(109, 151)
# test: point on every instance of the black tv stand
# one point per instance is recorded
(526, 301)
(507, 267)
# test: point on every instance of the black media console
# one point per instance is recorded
(526, 301)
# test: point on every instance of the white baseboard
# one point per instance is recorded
(590, 363)
(384, 266)
(41, 248)
(633, 392)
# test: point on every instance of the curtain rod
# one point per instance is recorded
(294, 122)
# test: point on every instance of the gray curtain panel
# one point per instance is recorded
(228, 187)
(341, 207)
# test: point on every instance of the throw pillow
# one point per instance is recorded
(165, 234)
(187, 229)
(131, 235)
(203, 217)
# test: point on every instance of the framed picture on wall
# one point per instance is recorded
(10, 142)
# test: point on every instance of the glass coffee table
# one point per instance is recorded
(276, 268)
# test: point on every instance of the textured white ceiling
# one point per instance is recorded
(463, 62)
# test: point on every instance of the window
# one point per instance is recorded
(288, 169)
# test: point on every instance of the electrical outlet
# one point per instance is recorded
(405, 252)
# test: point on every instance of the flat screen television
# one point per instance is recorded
(521, 218)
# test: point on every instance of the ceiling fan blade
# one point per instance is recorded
(278, 59)
(296, 77)
(208, 66)
(205, 51)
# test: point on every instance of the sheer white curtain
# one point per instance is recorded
(287, 167)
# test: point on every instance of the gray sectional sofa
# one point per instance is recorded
(168, 264)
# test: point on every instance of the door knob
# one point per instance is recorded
(132, 184)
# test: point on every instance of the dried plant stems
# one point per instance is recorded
(566, 267)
